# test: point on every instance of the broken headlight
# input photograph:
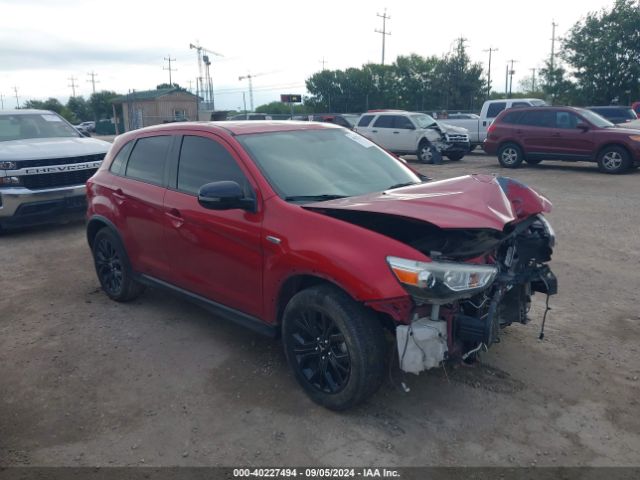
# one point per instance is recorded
(441, 282)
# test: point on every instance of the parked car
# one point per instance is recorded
(562, 133)
(89, 126)
(615, 114)
(408, 133)
(314, 233)
(346, 120)
(477, 125)
(44, 164)
(82, 130)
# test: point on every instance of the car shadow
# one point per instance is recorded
(65, 226)
(558, 166)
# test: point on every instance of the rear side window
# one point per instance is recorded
(404, 123)
(511, 117)
(147, 159)
(365, 120)
(566, 120)
(385, 121)
(519, 104)
(121, 159)
(203, 161)
(495, 108)
(539, 118)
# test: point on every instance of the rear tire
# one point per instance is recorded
(614, 160)
(455, 156)
(510, 155)
(335, 347)
(113, 267)
(427, 153)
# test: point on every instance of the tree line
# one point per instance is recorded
(77, 109)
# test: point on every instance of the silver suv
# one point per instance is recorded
(412, 133)
(44, 164)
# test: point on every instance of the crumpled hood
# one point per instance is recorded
(43, 148)
(472, 201)
(448, 128)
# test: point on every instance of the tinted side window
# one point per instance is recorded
(404, 123)
(519, 104)
(365, 120)
(495, 108)
(539, 118)
(202, 161)
(147, 160)
(121, 159)
(384, 121)
(512, 117)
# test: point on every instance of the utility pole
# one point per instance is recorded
(506, 83)
(169, 59)
(553, 54)
(93, 80)
(73, 85)
(383, 32)
(323, 62)
(533, 79)
(511, 72)
(15, 90)
(1, 102)
(190, 83)
(490, 50)
(248, 77)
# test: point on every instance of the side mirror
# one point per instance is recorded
(582, 126)
(224, 195)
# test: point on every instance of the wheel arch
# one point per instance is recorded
(612, 144)
(97, 223)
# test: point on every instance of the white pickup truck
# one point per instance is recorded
(477, 125)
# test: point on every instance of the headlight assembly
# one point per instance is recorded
(441, 282)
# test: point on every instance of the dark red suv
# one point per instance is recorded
(314, 233)
(562, 133)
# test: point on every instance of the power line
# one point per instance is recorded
(490, 50)
(73, 85)
(169, 59)
(93, 80)
(383, 32)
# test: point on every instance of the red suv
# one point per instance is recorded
(312, 232)
(562, 133)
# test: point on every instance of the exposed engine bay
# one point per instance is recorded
(479, 280)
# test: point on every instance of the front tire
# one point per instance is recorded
(455, 156)
(427, 153)
(335, 347)
(113, 267)
(510, 155)
(614, 160)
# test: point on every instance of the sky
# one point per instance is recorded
(44, 43)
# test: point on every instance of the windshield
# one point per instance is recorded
(423, 120)
(595, 119)
(23, 126)
(327, 163)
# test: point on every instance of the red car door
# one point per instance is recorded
(214, 253)
(139, 200)
(535, 131)
(569, 140)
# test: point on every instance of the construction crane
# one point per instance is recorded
(249, 76)
(204, 84)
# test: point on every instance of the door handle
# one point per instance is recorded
(119, 196)
(556, 135)
(396, 132)
(518, 132)
(374, 131)
(175, 216)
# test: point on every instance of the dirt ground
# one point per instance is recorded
(87, 381)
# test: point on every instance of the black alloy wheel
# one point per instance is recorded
(320, 351)
(113, 267)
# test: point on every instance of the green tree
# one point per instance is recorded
(52, 104)
(100, 104)
(556, 85)
(79, 108)
(279, 107)
(604, 52)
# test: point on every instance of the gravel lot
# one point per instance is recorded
(87, 381)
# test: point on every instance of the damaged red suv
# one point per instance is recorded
(312, 232)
